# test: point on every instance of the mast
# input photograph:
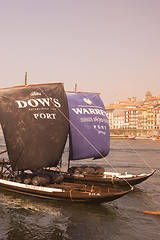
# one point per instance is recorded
(75, 87)
(25, 78)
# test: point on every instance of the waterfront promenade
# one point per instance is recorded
(134, 132)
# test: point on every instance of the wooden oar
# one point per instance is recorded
(3, 151)
(152, 213)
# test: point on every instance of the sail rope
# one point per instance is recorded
(3, 151)
(85, 138)
(138, 155)
(142, 159)
(78, 131)
(104, 158)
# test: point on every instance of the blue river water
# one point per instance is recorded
(25, 217)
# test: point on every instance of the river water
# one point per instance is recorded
(24, 217)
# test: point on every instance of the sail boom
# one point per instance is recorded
(31, 85)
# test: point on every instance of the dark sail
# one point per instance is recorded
(34, 126)
(89, 133)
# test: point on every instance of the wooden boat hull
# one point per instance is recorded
(108, 180)
(65, 191)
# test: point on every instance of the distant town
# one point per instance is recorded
(140, 116)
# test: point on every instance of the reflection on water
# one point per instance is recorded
(56, 220)
(24, 217)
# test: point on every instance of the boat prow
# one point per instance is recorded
(108, 178)
(132, 179)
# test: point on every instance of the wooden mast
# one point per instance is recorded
(25, 78)
(76, 87)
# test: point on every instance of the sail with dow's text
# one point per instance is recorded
(35, 125)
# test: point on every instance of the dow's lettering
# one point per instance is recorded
(34, 103)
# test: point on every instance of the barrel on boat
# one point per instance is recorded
(19, 178)
(41, 180)
(78, 170)
(88, 170)
(27, 179)
(56, 177)
(99, 170)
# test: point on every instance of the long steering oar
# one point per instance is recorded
(152, 213)
(3, 151)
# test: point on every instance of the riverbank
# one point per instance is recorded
(134, 132)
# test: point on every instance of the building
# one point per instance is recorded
(116, 113)
(133, 118)
(142, 118)
(109, 111)
(157, 116)
(150, 117)
(118, 121)
(133, 114)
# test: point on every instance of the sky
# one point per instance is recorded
(107, 46)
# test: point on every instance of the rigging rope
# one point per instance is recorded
(79, 131)
(138, 154)
(3, 151)
(88, 140)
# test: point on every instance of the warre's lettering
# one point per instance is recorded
(95, 111)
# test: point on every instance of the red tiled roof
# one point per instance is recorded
(120, 115)
(119, 106)
(152, 99)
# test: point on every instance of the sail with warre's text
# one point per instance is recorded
(89, 134)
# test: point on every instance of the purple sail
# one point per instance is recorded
(89, 135)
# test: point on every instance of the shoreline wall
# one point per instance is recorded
(135, 132)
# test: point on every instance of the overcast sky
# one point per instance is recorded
(106, 46)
